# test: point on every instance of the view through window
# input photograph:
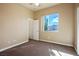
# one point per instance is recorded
(51, 22)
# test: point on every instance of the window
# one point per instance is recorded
(51, 22)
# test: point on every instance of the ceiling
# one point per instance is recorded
(41, 6)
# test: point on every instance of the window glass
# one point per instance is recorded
(51, 22)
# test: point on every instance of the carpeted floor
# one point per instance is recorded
(38, 48)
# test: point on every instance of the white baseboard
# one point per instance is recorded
(56, 42)
(12, 46)
(76, 50)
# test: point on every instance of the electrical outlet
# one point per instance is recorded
(14, 40)
(8, 41)
(48, 37)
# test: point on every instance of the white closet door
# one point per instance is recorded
(30, 28)
(35, 30)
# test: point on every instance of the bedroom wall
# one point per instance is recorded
(65, 35)
(13, 24)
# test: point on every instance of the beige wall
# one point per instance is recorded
(65, 35)
(13, 24)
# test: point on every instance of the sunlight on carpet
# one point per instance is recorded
(58, 53)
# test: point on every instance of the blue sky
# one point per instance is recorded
(52, 18)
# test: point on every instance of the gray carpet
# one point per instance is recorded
(38, 48)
